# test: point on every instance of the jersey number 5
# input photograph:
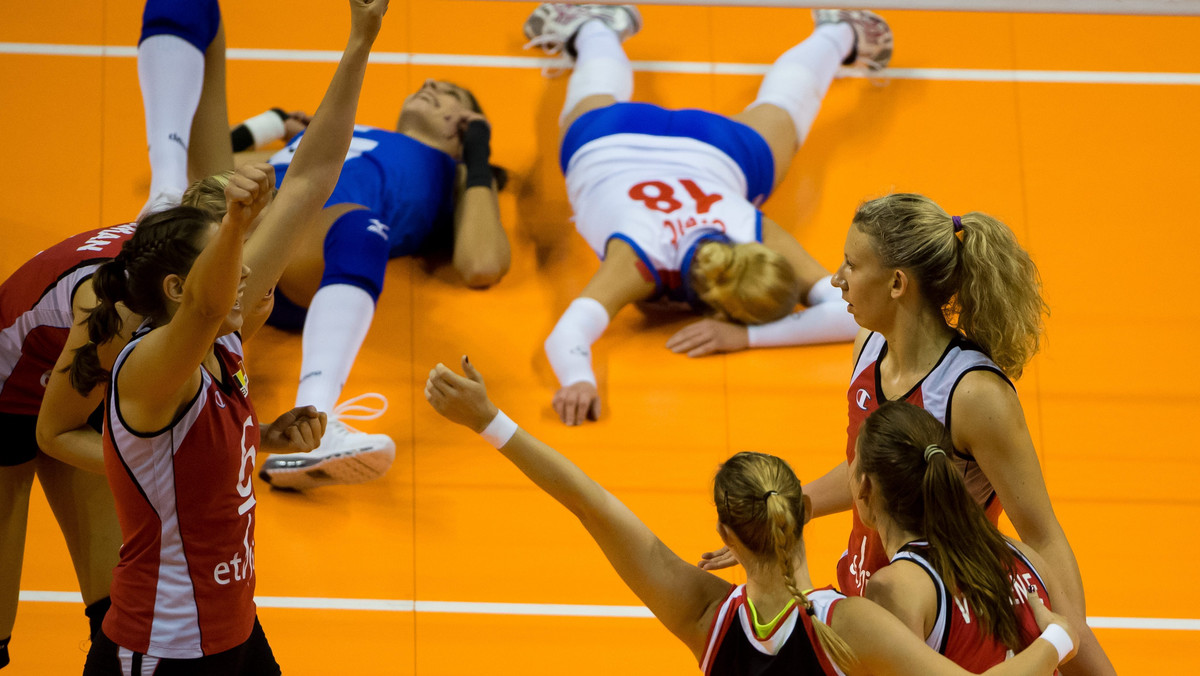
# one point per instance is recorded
(660, 196)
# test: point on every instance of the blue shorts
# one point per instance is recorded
(739, 141)
(195, 21)
(286, 315)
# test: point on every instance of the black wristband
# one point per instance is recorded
(476, 152)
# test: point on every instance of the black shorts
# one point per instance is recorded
(251, 658)
(18, 436)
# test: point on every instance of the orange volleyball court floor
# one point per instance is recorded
(1078, 131)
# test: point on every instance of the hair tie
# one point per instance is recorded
(810, 609)
(769, 494)
(931, 450)
(958, 226)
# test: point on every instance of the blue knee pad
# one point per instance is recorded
(356, 251)
(195, 21)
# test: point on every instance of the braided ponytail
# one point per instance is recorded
(760, 499)
(165, 242)
(103, 323)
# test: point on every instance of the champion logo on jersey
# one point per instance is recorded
(242, 379)
(862, 398)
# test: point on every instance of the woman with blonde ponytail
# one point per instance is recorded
(951, 312)
(669, 199)
(954, 579)
(775, 623)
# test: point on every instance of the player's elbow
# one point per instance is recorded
(481, 272)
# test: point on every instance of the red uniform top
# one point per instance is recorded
(35, 312)
(184, 586)
(733, 649)
(933, 393)
(957, 633)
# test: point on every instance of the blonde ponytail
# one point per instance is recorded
(974, 272)
(748, 283)
(208, 193)
(760, 499)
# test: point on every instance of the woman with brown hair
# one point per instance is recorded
(776, 622)
(954, 579)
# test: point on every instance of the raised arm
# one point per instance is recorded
(162, 374)
(63, 431)
(481, 252)
(314, 171)
(682, 597)
(990, 425)
(569, 346)
(824, 319)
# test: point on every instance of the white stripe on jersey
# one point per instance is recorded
(671, 214)
(823, 600)
(175, 629)
(53, 309)
(937, 636)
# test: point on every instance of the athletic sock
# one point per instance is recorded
(337, 323)
(95, 613)
(601, 66)
(799, 78)
(171, 75)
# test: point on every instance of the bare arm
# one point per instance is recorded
(906, 591)
(885, 647)
(481, 251)
(989, 424)
(314, 171)
(163, 373)
(63, 432)
(682, 597)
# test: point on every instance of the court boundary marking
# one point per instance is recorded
(685, 67)
(549, 609)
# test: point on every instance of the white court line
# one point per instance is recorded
(695, 67)
(552, 609)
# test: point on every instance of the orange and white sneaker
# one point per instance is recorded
(345, 456)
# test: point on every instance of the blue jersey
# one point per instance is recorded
(408, 183)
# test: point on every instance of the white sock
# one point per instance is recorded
(171, 74)
(337, 322)
(800, 77)
(601, 66)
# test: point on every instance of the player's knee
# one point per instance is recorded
(356, 251)
(195, 21)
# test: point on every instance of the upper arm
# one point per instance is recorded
(683, 597)
(988, 423)
(808, 270)
(620, 280)
(63, 408)
(906, 591)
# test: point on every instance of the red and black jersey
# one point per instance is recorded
(184, 586)
(36, 316)
(865, 553)
(733, 649)
(957, 633)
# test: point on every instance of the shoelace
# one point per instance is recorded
(354, 409)
(552, 46)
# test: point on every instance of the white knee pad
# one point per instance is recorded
(794, 88)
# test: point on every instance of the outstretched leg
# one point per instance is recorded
(176, 35)
(592, 35)
(791, 92)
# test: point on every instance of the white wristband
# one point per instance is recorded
(500, 430)
(1058, 637)
(266, 127)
